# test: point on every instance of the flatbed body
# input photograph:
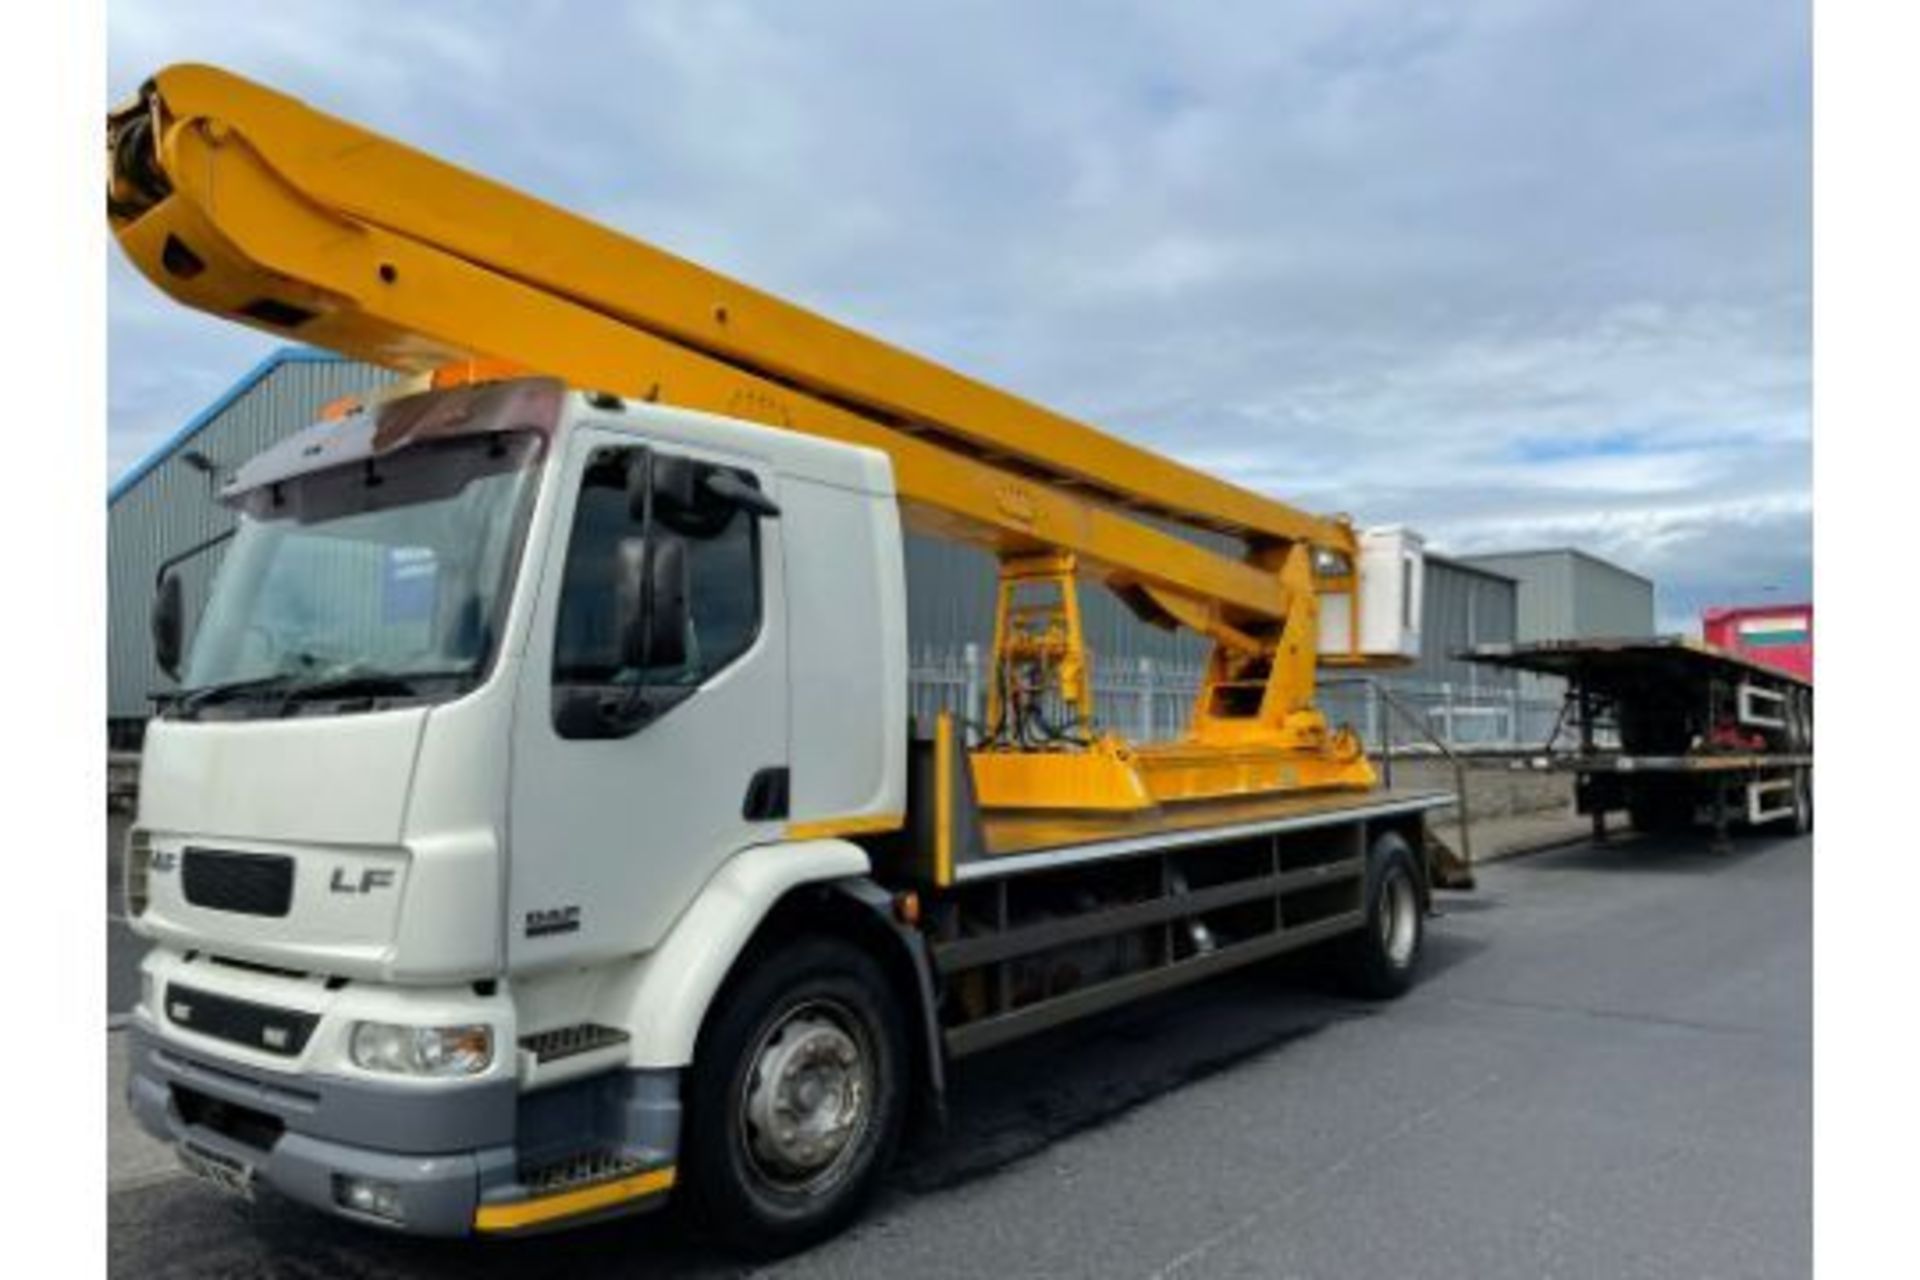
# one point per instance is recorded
(1624, 664)
(1617, 762)
(1674, 731)
(1038, 918)
(1016, 842)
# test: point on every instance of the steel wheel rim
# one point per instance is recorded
(806, 1101)
(1399, 918)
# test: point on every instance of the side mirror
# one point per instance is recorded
(166, 623)
(650, 602)
(738, 492)
(696, 498)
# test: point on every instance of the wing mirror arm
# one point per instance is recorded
(167, 621)
(735, 491)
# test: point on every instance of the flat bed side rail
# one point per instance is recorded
(1613, 762)
(1061, 936)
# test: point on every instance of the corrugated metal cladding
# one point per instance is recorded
(164, 506)
(951, 595)
(1465, 606)
(1566, 594)
(1610, 601)
(951, 603)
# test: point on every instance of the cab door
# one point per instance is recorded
(631, 782)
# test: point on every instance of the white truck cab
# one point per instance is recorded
(485, 767)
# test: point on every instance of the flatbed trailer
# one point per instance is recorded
(1674, 731)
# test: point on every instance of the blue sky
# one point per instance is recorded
(1515, 272)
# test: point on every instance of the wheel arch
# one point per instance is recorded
(761, 897)
(862, 912)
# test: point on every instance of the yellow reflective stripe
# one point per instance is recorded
(943, 815)
(861, 825)
(525, 1213)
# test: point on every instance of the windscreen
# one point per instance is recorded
(383, 579)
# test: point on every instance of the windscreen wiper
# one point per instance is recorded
(293, 688)
(191, 702)
(371, 684)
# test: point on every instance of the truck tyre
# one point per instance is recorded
(796, 1099)
(1802, 722)
(1378, 961)
(1802, 801)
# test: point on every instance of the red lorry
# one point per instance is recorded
(1777, 636)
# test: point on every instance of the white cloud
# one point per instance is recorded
(1508, 269)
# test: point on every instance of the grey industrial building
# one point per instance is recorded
(164, 506)
(1569, 594)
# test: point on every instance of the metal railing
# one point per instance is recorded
(1147, 700)
(1143, 700)
(1386, 697)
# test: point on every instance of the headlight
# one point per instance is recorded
(422, 1051)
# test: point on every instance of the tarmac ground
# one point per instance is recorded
(1606, 1071)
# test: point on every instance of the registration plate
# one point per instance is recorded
(223, 1172)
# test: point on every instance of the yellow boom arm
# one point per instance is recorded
(243, 202)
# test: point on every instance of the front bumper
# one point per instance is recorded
(454, 1157)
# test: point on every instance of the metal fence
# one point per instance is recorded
(1149, 701)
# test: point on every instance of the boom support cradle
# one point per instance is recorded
(245, 203)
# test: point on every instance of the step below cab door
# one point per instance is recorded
(635, 776)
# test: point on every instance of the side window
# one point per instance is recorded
(722, 548)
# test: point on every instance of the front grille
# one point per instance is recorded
(257, 1026)
(254, 884)
(580, 1170)
(251, 966)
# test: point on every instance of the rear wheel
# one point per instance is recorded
(1379, 960)
(1802, 801)
(797, 1099)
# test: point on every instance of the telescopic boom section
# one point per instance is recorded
(241, 201)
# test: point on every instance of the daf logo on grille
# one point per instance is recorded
(274, 1037)
(181, 1011)
(545, 921)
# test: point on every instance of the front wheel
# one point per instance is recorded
(797, 1098)
(1379, 960)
